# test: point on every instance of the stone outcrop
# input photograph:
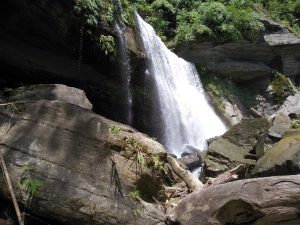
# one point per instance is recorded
(278, 49)
(49, 92)
(239, 145)
(261, 201)
(79, 158)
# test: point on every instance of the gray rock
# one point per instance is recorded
(281, 159)
(269, 200)
(242, 71)
(280, 124)
(78, 156)
(222, 155)
(278, 48)
(237, 146)
(290, 106)
(51, 92)
(191, 161)
(233, 112)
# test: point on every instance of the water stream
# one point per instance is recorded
(188, 118)
(124, 58)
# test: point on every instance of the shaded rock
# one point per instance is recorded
(280, 124)
(242, 71)
(222, 155)
(4, 222)
(261, 201)
(78, 157)
(191, 161)
(244, 134)
(51, 92)
(276, 49)
(281, 159)
(237, 146)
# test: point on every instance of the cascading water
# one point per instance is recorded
(188, 119)
(125, 69)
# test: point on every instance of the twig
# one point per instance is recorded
(9, 185)
(11, 191)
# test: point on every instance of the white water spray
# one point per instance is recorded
(188, 119)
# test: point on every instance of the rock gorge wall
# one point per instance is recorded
(276, 49)
(40, 43)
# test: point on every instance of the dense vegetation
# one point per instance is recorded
(189, 20)
(182, 21)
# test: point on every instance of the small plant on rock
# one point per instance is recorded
(140, 155)
(115, 130)
(29, 184)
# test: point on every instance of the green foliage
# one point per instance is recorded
(160, 14)
(282, 87)
(31, 186)
(286, 12)
(296, 124)
(115, 130)
(220, 21)
(107, 45)
(140, 155)
(94, 11)
(221, 89)
(135, 194)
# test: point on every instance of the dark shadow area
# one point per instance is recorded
(238, 212)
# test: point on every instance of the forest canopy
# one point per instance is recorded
(189, 20)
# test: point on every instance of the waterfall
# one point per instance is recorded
(125, 67)
(187, 117)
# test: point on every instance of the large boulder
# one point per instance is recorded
(50, 92)
(82, 161)
(290, 107)
(261, 201)
(280, 124)
(281, 159)
(239, 145)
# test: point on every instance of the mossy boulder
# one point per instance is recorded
(280, 88)
(281, 159)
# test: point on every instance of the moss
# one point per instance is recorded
(279, 158)
(282, 87)
(220, 89)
